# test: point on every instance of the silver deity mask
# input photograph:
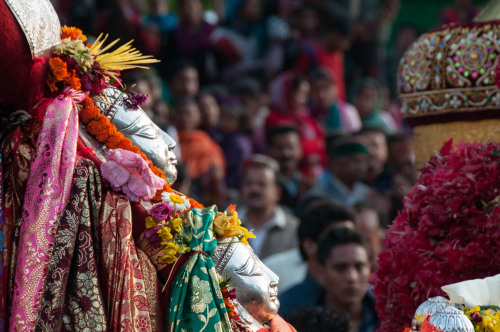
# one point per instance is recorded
(255, 284)
(138, 127)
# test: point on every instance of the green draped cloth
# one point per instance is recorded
(195, 299)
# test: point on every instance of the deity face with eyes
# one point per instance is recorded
(255, 284)
(138, 127)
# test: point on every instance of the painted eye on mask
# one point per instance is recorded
(250, 268)
(147, 131)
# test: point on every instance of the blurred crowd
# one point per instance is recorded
(288, 108)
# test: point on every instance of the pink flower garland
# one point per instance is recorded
(448, 231)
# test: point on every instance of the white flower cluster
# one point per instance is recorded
(78, 52)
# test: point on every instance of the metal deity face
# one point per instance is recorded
(138, 127)
(255, 284)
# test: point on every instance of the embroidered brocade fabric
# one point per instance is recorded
(72, 299)
(17, 153)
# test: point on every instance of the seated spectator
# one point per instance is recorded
(182, 79)
(343, 178)
(284, 147)
(328, 51)
(368, 223)
(345, 263)
(249, 91)
(366, 95)
(274, 227)
(307, 22)
(191, 39)
(318, 319)
(320, 217)
(161, 18)
(336, 115)
(210, 113)
(289, 95)
(402, 161)
(241, 42)
(235, 143)
(380, 175)
(204, 159)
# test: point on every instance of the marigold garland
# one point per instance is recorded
(58, 72)
(72, 33)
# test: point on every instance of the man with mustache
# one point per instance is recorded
(274, 227)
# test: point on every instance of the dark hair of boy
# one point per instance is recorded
(277, 131)
(318, 217)
(337, 237)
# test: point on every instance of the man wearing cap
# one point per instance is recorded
(346, 169)
(274, 227)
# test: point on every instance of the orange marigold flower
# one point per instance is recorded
(59, 69)
(105, 131)
(158, 172)
(135, 149)
(73, 33)
(125, 144)
(95, 126)
(195, 204)
(87, 102)
(114, 141)
(74, 81)
(51, 82)
(89, 113)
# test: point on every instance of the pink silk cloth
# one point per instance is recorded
(47, 194)
(129, 281)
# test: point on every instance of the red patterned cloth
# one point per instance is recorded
(128, 277)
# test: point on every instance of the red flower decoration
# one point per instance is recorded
(447, 232)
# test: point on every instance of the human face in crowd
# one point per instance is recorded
(259, 190)
(210, 111)
(368, 225)
(188, 117)
(144, 87)
(365, 100)
(191, 12)
(308, 21)
(324, 92)
(403, 160)
(229, 122)
(249, 11)
(300, 96)
(286, 149)
(345, 275)
(185, 83)
(379, 151)
(351, 168)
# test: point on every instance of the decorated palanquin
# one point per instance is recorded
(447, 85)
(448, 229)
(92, 236)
